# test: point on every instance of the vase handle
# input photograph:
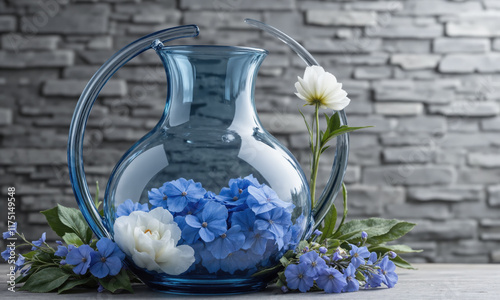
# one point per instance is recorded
(82, 112)
(334, 184)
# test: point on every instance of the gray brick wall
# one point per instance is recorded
(424, 72)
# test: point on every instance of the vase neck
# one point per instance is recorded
(210, 85)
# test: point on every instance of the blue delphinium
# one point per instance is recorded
(129, 206)
(358, 255)
(107, 260)
(387, 268)
(11, 232)
(20, 262)
(350, 278)
(330, 280)
(39, 242)
(210, 222)
(297, 278)
(80, 258)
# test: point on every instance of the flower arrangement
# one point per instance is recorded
(244, 228)
(236, 230)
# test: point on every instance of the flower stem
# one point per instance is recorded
(315, 158)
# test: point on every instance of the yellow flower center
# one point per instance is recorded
(147, 230)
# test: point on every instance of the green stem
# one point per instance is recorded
(315, 159)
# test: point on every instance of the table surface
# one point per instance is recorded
(430, 281)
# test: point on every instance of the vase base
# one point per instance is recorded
(208, 286)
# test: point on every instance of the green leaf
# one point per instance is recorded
(343, 129)
(54, 222)
(332, 243)
(344, 215)
(30, 254)
(398, 261)
(116, 283)
(329, 223)
(73, 218)
(399, 249)
(284, 261)
(324, 149)
(72, 239)
(71, 284)
(97, 203)
(397, 231)
(45, 280)
(373, 227)
(308, 130)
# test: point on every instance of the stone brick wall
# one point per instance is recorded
(424, 72)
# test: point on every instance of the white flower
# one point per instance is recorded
(150, 239)
(320, 87)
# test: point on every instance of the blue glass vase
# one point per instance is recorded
(208, 198)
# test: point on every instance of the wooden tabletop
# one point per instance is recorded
(430, 281)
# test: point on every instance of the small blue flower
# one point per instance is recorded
(100, 288)
(11, 232)
(80, 258)
(38, 243)
(263, 199)
(59, 243)
(284, 289)
(392, 254)
(322, 250)
(364, 235)
(62, 251)
(336, 256)
(6, 254)
(359, 255)
(20, 262)
(129, 206)
(296, 277)
(373, 280)
(372, 258)
(210, 222)
(180, 192)
(107, 260)
(158, 197)
(275, 220)
(350, 278)
(313, 262)
(387, 268)
(230, 241)
(255, 240)
(330, 280)
(317, 232)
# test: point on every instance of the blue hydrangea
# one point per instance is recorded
(129, 206)
(175, 195)
(230, 241)
(237, 193)
(263, 199)
(107, 260)
(210, 222)
(276, 221)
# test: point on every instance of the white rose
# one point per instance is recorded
(321, 87)
(150, 239)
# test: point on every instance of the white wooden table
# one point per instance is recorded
(431, 281)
